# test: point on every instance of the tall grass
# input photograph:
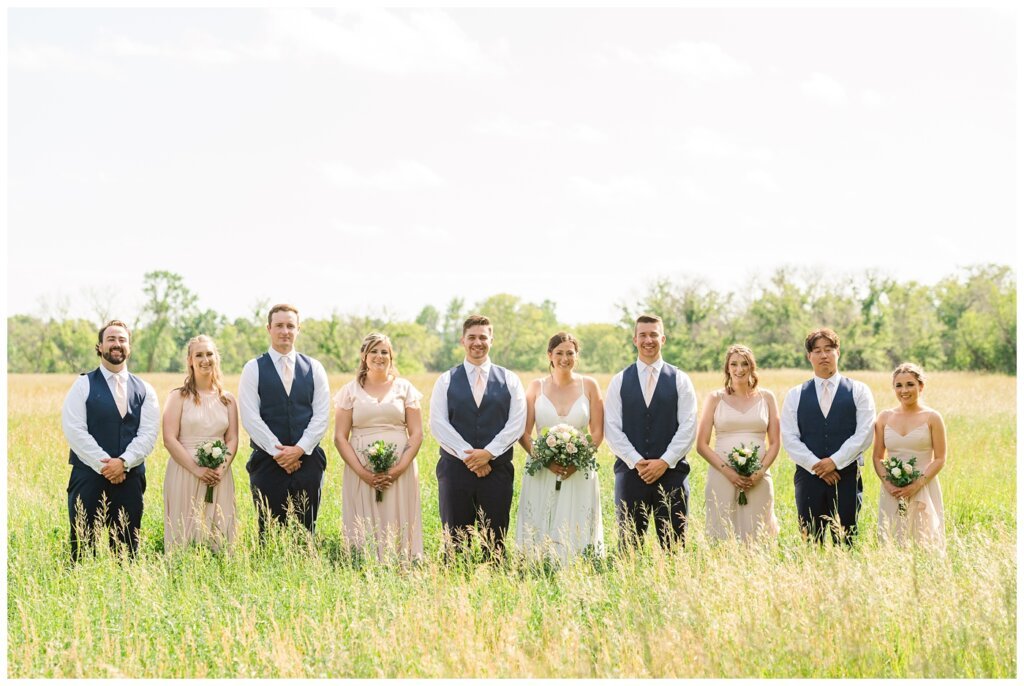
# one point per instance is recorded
(301, 608)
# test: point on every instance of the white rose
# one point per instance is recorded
(896, 472)
(551, 441)
(208, 446)
(571, 448)
(566, 436)
(216, 452)
(741, 459)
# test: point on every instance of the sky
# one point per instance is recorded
(376, 161)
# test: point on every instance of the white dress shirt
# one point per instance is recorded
(852, 448)
(451, 440)
(76, 428)
(686, 412)
(249, 405)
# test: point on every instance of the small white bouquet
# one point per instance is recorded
(745, 461)
(900, 473)
(211, 455)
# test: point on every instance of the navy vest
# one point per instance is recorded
(823, 435)
(650, 428)
(287, 416)
(479, 425)
(112, 432)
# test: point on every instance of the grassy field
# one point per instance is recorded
(301, 610)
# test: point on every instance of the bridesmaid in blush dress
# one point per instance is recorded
(911, 430)
(200, 411)
(739, 414)
(565, 522)
(380, 405)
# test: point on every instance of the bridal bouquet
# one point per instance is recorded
(211, 455)
(745, 461)
(381, 456)
(901, 473)
(564, 445)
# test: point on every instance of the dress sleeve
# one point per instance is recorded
(411, 395)
(345, 399)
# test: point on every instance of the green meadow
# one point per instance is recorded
(311, 608)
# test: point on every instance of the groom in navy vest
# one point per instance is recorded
(110, 419)
(826, 426)
(285, 403)
(477, 414)
(650, 424)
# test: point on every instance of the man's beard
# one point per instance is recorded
(119, 352)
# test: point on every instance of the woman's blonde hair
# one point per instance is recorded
(909, 368)
(188, 389)
(372, 339)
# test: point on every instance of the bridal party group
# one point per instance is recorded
(479, 411)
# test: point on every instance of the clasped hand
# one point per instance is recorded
(825, 469)
(651, 470)
(562, 471)
(113, 469)
(907, 492)
(478, 461)
(290, 457)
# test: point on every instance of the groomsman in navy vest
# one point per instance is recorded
(650, 423)
(826, 426)
(477, 414)
(285, 404)
(110, 419)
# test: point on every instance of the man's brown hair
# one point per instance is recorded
(648, 319)
(476, 320)
(828, 334)
(281, 307)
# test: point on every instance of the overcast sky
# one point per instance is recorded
(363, 161)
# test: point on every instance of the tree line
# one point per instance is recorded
(966, 321)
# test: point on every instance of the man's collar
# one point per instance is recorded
(470, 367)
(657, 364)
(107, 373)
(276, 356)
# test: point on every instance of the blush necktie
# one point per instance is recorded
(826, 397)
(120, 396)
(479, 386)
(652, 381)
(287, 374)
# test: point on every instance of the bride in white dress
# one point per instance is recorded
(561, 523)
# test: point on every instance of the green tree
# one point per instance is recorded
(169, 304)
(604, 347)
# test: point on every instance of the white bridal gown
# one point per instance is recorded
(561, 523)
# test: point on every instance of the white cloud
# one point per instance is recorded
(704, 142)
(382, 40)
(763, 180)
(693, 192)
(615, 190)
(871, 100)
(508, 127)
(539, 128)
(408, 175)
(587, 134)
(700, 62)
(45, 57)
(825, 89)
